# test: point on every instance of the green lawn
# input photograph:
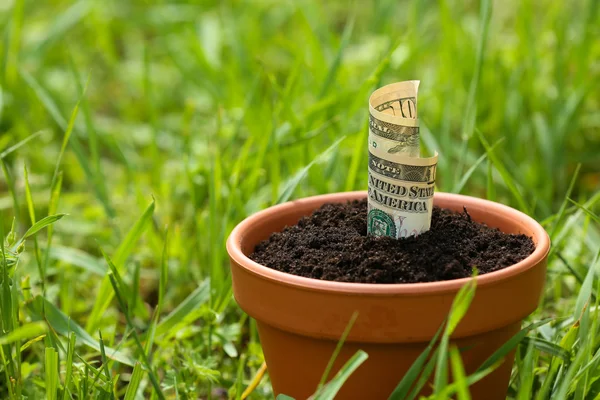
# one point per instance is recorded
(156, 127)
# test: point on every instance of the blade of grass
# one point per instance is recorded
(459, 308)
(31, 209)
(78, 258)
(548, 347)
(91, 131)
(587, 336)
(357, 156)
(458, 372)
(63, 325)
(291, 184)
(45, 98)
(491, 188)
(214, 200)
(526, 374)
(424, 378)
(134, 382)
(585, 293)
(162, 284)
(567, 380)
(275, 162)
(69, 365)
(53, 202)
(507, 347)
(468, 123)
(135, 288)
(103, 356)
(335, 65)
(65, 142)
(164, 273)
(470, 380)
(337, 350)
(573, 272)
(191, 303)
(14, 44)
(11, 187)
(127, 292)
(591, 214)
(145, 361)
(566, 230)
(28, 344)
(463, 181)
(41, 224)
(415, 369)
(15, 316)
(5, 317)
(329, 391)
(126, 247)
(563, 206)
(239, 380)
(24, 332)
(62, 22)
(56, 186)
(29, 199)
(22, 143)
(589, 203)
(51, 372)
(506, 177)
(105, 294)
(592, 365)
(255, 381)
(76, 146)
(566, 343)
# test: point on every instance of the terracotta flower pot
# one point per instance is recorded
(300, 319)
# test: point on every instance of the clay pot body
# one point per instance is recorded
(300, 320)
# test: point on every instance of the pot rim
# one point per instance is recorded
(235, 252)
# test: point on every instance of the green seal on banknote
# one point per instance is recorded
(380, 223)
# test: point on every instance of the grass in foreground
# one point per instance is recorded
(190, 117)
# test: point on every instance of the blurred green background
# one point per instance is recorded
(193, 115)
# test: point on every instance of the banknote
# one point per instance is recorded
(401, 183)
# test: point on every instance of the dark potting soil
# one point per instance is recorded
(332, 244)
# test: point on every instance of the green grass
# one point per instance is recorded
(135, 135)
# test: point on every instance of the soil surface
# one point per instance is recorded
(332, 244)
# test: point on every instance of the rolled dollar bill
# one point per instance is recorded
(401, 183)
(393, 117)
